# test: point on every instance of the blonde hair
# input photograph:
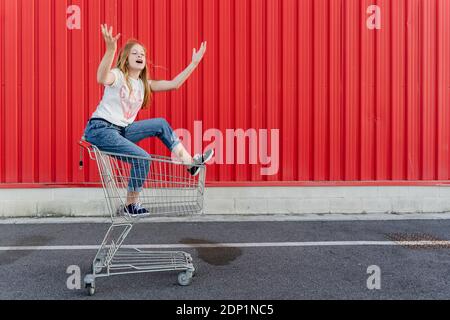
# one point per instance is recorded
(122, 64)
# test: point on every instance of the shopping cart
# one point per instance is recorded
(168, 190)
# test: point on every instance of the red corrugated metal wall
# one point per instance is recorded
(351, 103)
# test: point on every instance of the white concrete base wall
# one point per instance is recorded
(241, 200)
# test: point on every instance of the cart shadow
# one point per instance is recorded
(217, 256)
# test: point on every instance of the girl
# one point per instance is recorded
(127, 88)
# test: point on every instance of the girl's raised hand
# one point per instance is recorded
(111, 42)
(197, 56)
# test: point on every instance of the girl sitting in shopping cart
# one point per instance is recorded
(127, 88)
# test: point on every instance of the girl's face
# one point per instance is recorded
(136, 58)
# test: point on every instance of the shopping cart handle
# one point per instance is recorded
(85, 144)
(89, 147)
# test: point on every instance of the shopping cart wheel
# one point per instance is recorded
(184, 278)
(89, 283)
(97, 267)
(90, 289)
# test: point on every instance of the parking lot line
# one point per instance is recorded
(237, 245)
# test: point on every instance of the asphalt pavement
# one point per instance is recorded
(257, 260)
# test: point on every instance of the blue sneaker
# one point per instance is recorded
(200, 160)
(136, 209)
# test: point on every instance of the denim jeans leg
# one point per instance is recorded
(109, 139)
(139, 172)
(157, 127)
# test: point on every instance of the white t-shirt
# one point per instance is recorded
(117, 106)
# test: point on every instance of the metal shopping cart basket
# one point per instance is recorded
(168, 190)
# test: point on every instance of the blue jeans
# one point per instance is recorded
(115, 139)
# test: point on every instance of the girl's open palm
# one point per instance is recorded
(197, 56)
(111, 42)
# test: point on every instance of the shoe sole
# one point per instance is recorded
(139, 215)
(204, 161)
(209, 158)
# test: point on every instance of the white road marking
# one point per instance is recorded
(237, 245)
(241, 218)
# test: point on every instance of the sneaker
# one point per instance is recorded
(136, 209)
(200, 160)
